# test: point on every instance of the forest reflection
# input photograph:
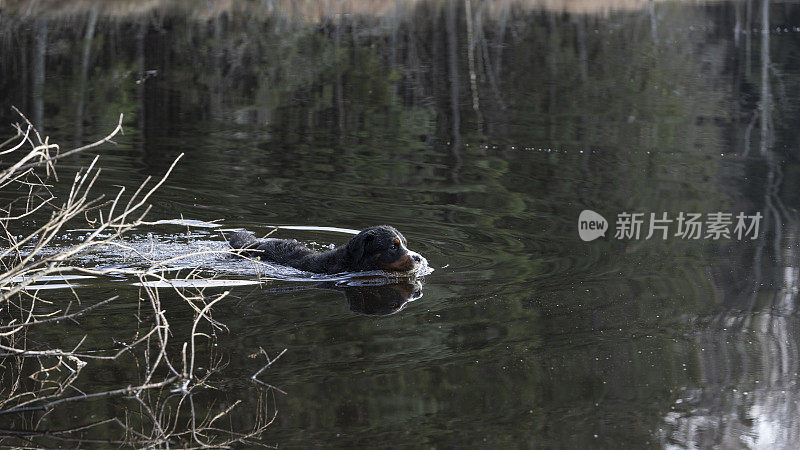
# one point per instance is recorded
(483, 127)
(749, 354)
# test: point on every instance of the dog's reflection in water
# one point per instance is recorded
(368, 296)
(382, 300)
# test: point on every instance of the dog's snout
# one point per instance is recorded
(416, 257)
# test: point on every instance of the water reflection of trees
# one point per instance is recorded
(391, 99)
(748, 353)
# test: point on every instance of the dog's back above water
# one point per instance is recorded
(375, 248)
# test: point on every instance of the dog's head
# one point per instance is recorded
(381, 248)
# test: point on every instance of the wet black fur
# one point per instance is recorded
(373, 248)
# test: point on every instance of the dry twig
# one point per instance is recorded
(163, 408)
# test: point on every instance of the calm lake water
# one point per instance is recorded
(480, 130)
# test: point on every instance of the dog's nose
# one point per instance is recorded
(416, 257)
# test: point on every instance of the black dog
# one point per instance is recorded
(375, 248)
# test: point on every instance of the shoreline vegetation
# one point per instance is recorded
(42, 369)
(306, 10)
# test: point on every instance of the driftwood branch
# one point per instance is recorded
(162, 389)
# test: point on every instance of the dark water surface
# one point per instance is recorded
(483, 155)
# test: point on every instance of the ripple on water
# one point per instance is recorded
(169, 255)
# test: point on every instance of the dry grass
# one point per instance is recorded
(37, 377)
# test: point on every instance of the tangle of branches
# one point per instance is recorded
(38, 378)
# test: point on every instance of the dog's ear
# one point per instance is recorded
(357, 245)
